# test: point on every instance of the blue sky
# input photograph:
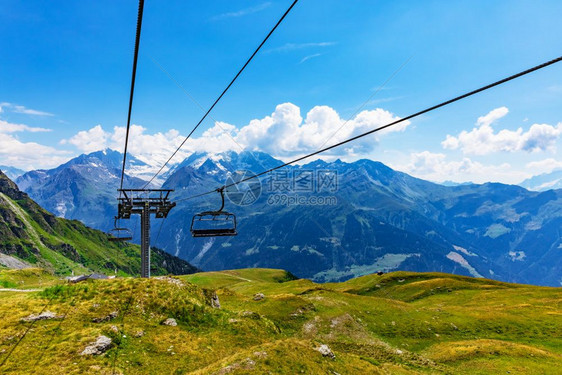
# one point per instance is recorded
(65, 75)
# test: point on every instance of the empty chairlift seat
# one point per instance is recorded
(118, 234)
(214, 223)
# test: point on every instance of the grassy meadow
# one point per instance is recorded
(396, 323)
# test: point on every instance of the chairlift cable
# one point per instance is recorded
(5, 359)
(160, 229)
(223, 93)
(135, 59)
(125, 311)
(54, 331)
(429, 109)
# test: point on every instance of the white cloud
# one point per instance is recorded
(492, 116)
(23, 110)
(288, 47)
(482, 139)
(306, 58)
(544, 166)
(6, 127)
(283, 134)
(26, 155)
(286, 134)
(153, 149)
(436, 167)
(89, 140)
(29, 155)
(242, 12)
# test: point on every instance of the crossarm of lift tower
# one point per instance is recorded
(134, 201)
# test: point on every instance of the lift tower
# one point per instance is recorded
(144, 202)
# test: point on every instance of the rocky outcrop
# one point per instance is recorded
(211, 298)
(170, 322)
(325, 351)
(9, 188)
(43, 316)
(112, 315)
(100, 346)
(12, 262)
(65, 249)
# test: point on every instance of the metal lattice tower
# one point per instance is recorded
(144, 202)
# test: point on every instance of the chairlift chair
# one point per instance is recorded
(214, 223)
(118, 234)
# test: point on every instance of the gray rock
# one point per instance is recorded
(215, 303)
(246, 364)
(100, 346)
(171, 280)
(12, 262)
(259, 296)
(139, 334)
(110, 316)
(170, 322)
(325, 351)
(43, 316)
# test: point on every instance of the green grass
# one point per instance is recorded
(28, 278)
(65, 246)
(397, 323)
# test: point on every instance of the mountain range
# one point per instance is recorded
(32, 237)
(84, 188)
(11, 172)
(373, 219)
(545, 181)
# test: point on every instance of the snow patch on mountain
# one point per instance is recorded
(517, 256)
(206, 246)
(496, 230)
(457, 258)
(533, 225)
(178, 238)
(464, 251)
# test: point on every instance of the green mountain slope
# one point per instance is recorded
(31, 236)
(397, 323)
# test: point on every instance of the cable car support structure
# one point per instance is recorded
(144, 202)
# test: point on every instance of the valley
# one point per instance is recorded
(379, 219)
